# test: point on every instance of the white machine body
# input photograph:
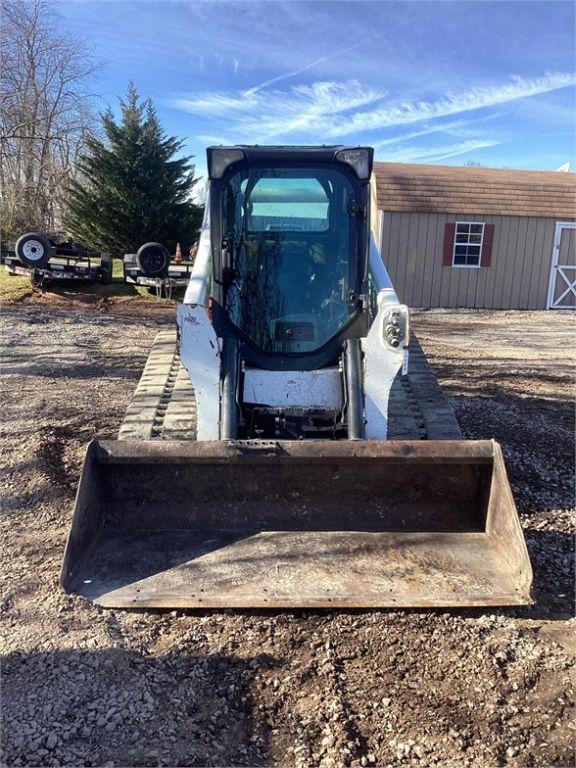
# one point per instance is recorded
(201, 352)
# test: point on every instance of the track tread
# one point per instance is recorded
(163, 406)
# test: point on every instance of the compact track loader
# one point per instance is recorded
(305, 484)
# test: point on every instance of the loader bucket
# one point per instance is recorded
(296, 524)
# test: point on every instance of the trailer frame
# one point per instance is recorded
(61, 267)
(178, 276)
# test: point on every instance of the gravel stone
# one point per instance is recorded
(83, 686)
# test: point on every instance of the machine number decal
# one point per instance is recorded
(405, 362)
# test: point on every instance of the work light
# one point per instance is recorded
(359, 159)
(220, 158)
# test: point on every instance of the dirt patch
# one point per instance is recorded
(53, 460)
(87, 302)
(88, 687)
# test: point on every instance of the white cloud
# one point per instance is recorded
(209, 139)
(462, 129)
(328, 110)
(452, 104)
(453, 128)
(322, 60)
(214, 104)
(257, 116)
(434, 154)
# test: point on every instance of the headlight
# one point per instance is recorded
(395, 328)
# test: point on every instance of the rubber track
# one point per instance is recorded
(163, 406)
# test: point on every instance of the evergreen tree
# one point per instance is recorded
(132, 189)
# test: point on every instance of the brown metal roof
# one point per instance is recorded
(462, 189)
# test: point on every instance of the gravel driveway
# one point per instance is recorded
(83, 686)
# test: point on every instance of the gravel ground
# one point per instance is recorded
(84, 686)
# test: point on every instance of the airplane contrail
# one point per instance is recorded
(288, 75)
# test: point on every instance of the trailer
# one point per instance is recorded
(47, 259)
(153, 267)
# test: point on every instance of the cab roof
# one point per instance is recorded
(281, 153)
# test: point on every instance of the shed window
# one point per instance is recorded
(468, 244)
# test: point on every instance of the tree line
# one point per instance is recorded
(66, 168)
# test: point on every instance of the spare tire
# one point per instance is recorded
(153, 259)
(34, 250)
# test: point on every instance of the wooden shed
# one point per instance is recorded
(478, 237)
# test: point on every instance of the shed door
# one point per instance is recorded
(562, 286)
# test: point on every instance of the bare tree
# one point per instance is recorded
(46, 112)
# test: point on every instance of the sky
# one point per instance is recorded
(455, 83)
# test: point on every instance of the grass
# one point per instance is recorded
(15, 287)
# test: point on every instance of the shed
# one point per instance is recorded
(478, 237)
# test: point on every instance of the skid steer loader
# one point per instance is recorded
(292, 495)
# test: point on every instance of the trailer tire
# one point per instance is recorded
(106, 267)
(153, 259)
(34, 250)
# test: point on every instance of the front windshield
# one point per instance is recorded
(290, 243)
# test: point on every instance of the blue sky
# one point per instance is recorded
(431, 82)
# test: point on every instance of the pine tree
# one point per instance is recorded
(132, 188)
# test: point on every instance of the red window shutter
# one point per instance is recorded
(449, 235)
(486, 255)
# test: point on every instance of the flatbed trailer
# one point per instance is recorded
(176, 276)
(59, 269)
(65, 263)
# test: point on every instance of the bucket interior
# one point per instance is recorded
(305, 525)
(362, 494)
